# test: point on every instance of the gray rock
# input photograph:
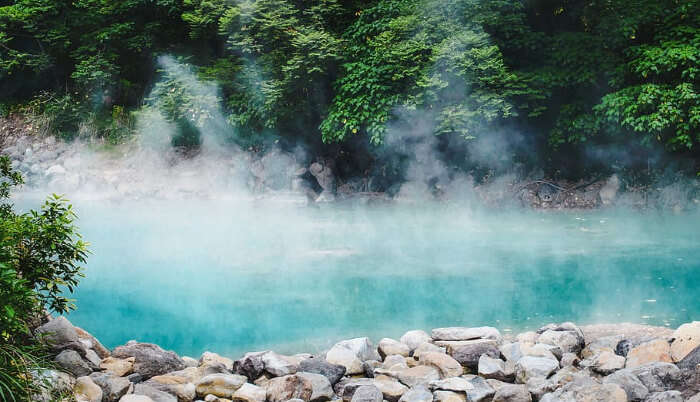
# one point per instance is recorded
(493, 368)
(347, 387)
(219, 384)
(367, 393)
(427, 347)
(351, 353)
(512, 393)
(318, 365)
(59, 334)
(449, 396)
(324, 176)
(417, 394)
(415, 338)
(249, 393)
(446, 365)
(150, 360)
(658, 376)
(481, 392)
(278, 365)
(455, 384)
(569, 360)
(586, 389)
(634, 388)
(511, 351)
(666, 396)
(570, 341)
(388, 347)
(155, 394)
(468, 354)
(419, 375)
(70, 361)
(391, 389)
(281, 389)
(464, 333)
(321, 389)
(113, 387)
(136, 398)
(530, 367)
(691, 360)
(604, 362)
(251, 365)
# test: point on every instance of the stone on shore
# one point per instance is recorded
(666, 396)
(512, 393)
(464, 333)
(531, 367)
(449, 396)
(281, 389)
(490, 367)
(481, 390)
(250, 365)
(391, 389)
(70, 361)
(367, 393)
(85, 390)
(278, 365)
(417, 394)
(468, 353)
(153, 393)
(415, 338)
(567, 336)
(388, 346)
(59, 334)
(691, 360)
(136, 398)
(118, 367)
(634, 388)
(318, 365)
(210, 358)
(446, 365)
(321, 389)
(419, 375)
(113, 387)
(149, 359)
(657, 350)
(427, 347)
(220, 384)
(456, 384)
(685, 339)
(249, 393)
(175, 385)
(352, 353)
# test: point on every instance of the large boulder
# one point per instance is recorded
(490, 367)
(446, 365)
(175, 385)
(249, 393)
(118, 367)
(149, 359)
(691, 360)
(481, 390)
(658, 376)
(464, 333)
(318, 365)
(154, 394)
(586, 391)
(512, 393)
(113, 387)
(388, 347)
(321, 389)
(352, 353)
(657, 350)
(468, 353)
(415, 338)
(567, 341)
(85, 390)
(59, 334)
(367, 393)
(391, 389)
(666, 396)
(210, 358)
(250, 365)
(634, 388)
(278, 365)
(281, 389)
(220, 384)
(685, 339)
(531, 367)
(70, 361)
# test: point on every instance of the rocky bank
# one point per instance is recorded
(558, 362)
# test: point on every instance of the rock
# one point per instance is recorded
(417, 394)
(324, 176)
(605, 362)
(685, 339)
(567, 340)
(149, 359)
(52, 381)
(666, 396)
(419, 375)
(456, 384)
(351, 353)
(190, 362)
(113, 387)
(135, 378)
(634, 389)
(427, 347)
(347, 387)
(321, 389)
(175, 385)
(493, 368)
(367, 393)
(59, 334)
(318, 365)
(464, 334)
(657, 376)
(449, 396)
(278, 365)
(70, 361)
(220, 384)
(694, 398)
(388, 346)
(154, 394)
(481, 392)
(653, 351)
(512, 393)
(468, 354)
(209, 358)
(447, 366)
(415, 338)
(539, 386)
(691, 360)
(118, 367)
(391, 389)
(135, 398)
(281, 389)
(586, 391)
(92, 359)
(528, 337)
(90, 342)
(569, 360)
(85, 390)
(530, 367)
(55, 170)
(394, 362)
(540, 350)
(249, 393)
(250, 365)
(511, 351)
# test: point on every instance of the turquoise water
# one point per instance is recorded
(238, 276)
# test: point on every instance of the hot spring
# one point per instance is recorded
(235, 276)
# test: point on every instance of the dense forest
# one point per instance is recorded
(569, 85)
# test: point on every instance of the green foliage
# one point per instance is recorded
(19, 366)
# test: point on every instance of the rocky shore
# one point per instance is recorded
(558, 362)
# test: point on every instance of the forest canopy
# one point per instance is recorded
(568, 73)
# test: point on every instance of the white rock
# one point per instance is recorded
(464, 333)
(530, 366)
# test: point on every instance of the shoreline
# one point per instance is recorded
(557, 362)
